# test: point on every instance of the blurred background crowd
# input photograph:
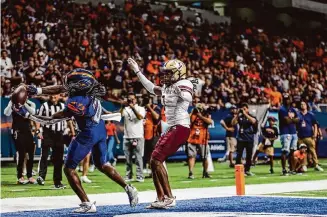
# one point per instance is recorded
(43, 40)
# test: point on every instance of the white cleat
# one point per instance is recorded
(132, 195)
(85, 179)
(170, 201)
(318, 168)
(305, 168)
(157, 205)
(86, 207)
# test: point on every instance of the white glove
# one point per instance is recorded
(133, 65)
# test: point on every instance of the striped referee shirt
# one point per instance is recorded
(48, 109)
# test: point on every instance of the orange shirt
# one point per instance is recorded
(300, 155)
(276, 97)
(78, 63)
(151, 69)
(198, 131)
(303, 74)
(150, 127)
(206, 54)
(111, 129)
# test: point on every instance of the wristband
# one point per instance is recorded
(38, 131)
(38, 90)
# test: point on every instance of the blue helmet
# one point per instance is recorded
(80, 82)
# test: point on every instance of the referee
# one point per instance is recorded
(52, 136)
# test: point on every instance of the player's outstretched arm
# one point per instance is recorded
(156, 90)
(55, 118)
(55, 89)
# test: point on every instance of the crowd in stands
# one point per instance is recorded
(43, 40)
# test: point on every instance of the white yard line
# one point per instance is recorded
(58, 202)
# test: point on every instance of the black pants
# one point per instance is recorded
(52, 140)
(249, 151)
(24, 143)
(149, 145)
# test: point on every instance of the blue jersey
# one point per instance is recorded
(87, 112)
(85, 109)
(305, 126)
(285, 128)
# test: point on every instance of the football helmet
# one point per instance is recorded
(173, 71)
(80, 82)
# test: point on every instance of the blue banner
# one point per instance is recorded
(217, 142)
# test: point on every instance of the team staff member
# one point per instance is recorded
(23, 139)
(152, 119)
(248, 127)
(52, 136)
(269, 134)
(307, 132)
(231, 131)
(198, 139)
(288, 119)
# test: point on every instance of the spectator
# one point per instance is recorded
(269, 134)
(308, 132)
(247, 128)
(7, 89)
(231, 131)
(111, 138)
(117, 78)
(151, 134)
(299, 159)
(6, 64)
(288, 119)
(133, 137)
(198, 139)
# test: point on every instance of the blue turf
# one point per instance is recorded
(222, 204)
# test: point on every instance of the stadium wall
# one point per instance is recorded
(217, 134)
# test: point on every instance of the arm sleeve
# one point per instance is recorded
(30, 106)
(47, 122)
(185, 89)
(146, 83)
(8, 109)
(186, 96)
(142, 111)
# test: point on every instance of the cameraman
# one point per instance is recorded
(133, 137)
(198, 139)
(248, 126)
(151, 136)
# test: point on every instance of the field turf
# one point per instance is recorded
(320, 193)
(223, 176)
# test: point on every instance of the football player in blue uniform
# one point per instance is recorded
(84, 105)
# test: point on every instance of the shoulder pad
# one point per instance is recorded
(185, 85)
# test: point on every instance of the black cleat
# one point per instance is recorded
(40, 180)
(206, 175)
(59, 186)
